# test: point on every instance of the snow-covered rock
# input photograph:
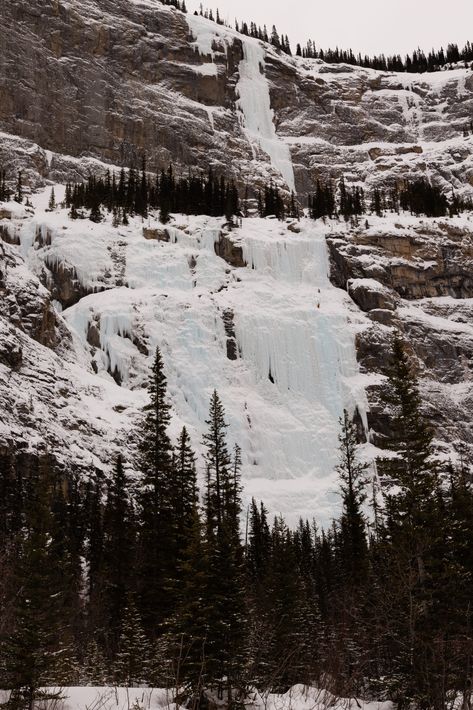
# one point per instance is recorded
(275, 338)
(180, 87)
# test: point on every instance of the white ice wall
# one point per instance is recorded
(256, 113)
(297, 367)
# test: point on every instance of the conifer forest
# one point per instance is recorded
(133, 582)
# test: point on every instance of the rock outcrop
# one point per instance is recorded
(416, 276)
(132, 78)
(98, 84)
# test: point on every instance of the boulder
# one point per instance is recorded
(161, 235)
(370, 295)
(228, 250)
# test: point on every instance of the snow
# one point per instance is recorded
(257, 117)
(207, 69)
(255, 104)
(368, 284)
(115, 329)
(13, 210)
(205, 33)
(299, 697)
(296, 368)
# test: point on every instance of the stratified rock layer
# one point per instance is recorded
(98, 84)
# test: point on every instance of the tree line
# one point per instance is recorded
(129, 580)
(178, 4)
(418, 62)
(136, 193)
(419, 197)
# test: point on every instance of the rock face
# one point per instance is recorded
(415, 275)
(113, 80)
(26, 303)
(162, 235)
(230, 252)
(90, 85)
(427, 259)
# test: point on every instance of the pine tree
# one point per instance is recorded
(218, 464)
(224, 647)
(132, 661)
(19, 188)
(184, 491)
(94, 553)
(189, 629)
(34, 650)
(95, 213)
(94, 669)
(413, 530)
(116, 217)
(352, 476)
(164, 212)
(156, 515)
(118, 554)
(52, 200)
(410, 436)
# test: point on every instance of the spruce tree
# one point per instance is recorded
(19, 188)
(413, 531)
(94, 667)
(118, 554)
(190, 628)
(156, 516)
(94, 553)
(413, 469)
(184, 491)
(34, 651)
(132, 661)
(52, 200)
(352, 476)
(95, 213)
(225, 579)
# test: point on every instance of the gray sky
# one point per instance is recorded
(370, 26)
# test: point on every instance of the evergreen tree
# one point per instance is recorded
(413, 529)
(19, 188)
(94, 551)
(95, 213)
(184, 490)
(224, 647)
(33, 650)
(118, 553)
(156, 515)
(132, 661)
(412, 469)
(352, 476)
(94, 669)
(52, 200)
(189, 629)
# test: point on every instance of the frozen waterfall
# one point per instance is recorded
(257, 115)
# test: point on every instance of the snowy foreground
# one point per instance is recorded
(297, 698)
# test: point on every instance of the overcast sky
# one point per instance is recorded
(371, 26)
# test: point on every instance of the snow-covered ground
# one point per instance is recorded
(296, 368)
(107, 698)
